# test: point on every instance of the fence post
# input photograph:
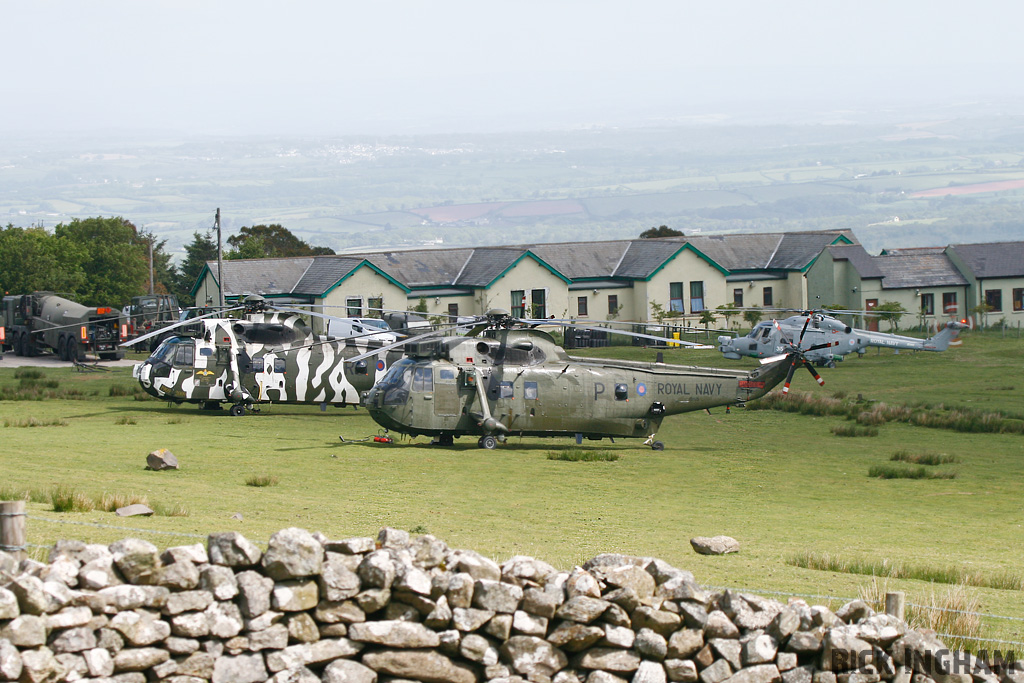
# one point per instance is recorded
(895, 603)
(12, 528)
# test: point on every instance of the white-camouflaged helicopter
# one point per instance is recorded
(269, 356)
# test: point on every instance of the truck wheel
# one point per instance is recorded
(72, 350)
(18, 349)
(62, 348)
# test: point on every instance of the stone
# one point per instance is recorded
(527, 624)
(224, 619)
(98, 574)
(137, 560)
(72, 640)
(181, 646)
(39, 666)
(297, 675)
(530, 656)
(526, 571)
(351, 546)
(681, 670)
(805, 642)
(684, 643)
(785, 624)
(295, 596)
(254, 592)
(440, 616)
(478, 649)
(99, 662)
(843, 652)
(704, 657)
(474, 564)
(608, 659)
(347, 671)
(604, 677)
(460, 591)
(499, 626)
(681, 588)
(659, 621)
(854, 611)
(426, 666)
(786, 661)
(388, 537)
(187, 601)
(30, 594)
(374, 599)
(345, 612)
(470, 619)
(190, 625)
(377, 570)
(277, 636)
(10, 660)
(716, 673)
(400, 634)
(651, 644)
(716, 545)
(27, 630)
(574, 637)
(182, 575)
(800, 674)
(161, 459)
(139, 658)
(134, 510)
(626, 598)
(240, 669)
(497, 596)
(140, 627)
(729, 650)
(232, 549)
(650, 672)
(692, 614)
(198, 664)
(582, 609)
(427, 551)
(762, 673)
(337, 581)
(218, 580)
(632, 577)
(720, 626)
(582, 582)
(618, 636)
(759, 650)
(8, 604)
(68, 617)
(542, 603)
(292, 553)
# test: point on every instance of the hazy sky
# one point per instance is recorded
(336, 67)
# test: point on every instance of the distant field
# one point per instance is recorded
(976, 188)
(781, 483)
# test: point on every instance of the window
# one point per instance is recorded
(766, 298)
(994, 298)
(675, 296)
(257, 364)
(446, 375)
(928, 304)
(373, 306)
(279, 365)
(613, 304)
(949, 302)
(354, 306)
(183, 356)
(518, 303)
(696, 296)
(1018, 299)
(581, 306)
(423, 380)
(621, 392)
(530, 390)
(737, 297)
(538, 301)
(453, 311)
(505, 390)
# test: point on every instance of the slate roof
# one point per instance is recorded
(261, 276)
(421, 267)
(643, 257)
(858, 258)
(484, 265)
(996, 259)
(577, 260)
(324, 273)
(918, 270)
(797, 250)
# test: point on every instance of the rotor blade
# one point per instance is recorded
(804, 331)
(789, 375)
(782, 334)
(180, 323)
(680, 342)
(821, 346)
(814, 374)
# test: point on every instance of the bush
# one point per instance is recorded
(261, 480)
(854, 430)
(582, 455)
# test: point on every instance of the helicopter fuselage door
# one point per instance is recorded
(446, 391)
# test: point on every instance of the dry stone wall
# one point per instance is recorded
(395, 608)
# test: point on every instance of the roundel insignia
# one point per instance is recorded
(641, 389)
(380, 365)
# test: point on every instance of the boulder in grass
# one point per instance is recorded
(135, 510)
(717, 545)
(161, 459)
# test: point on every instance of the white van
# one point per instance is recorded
(363, 328)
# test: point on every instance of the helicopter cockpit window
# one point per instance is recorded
(423, 380)
(397, 381)
(183, 356)
(257, 364)
(446, 375)
(505, 390)
(279, 365)
(530, 391)
(206, 351)
(765, 332)
(165, 352)
(621, 392)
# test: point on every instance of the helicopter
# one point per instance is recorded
(517, 381)
(832, 337)
(270, 356)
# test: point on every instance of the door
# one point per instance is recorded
(446, 392)
(872, 304)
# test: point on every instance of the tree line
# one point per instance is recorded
(105, 261)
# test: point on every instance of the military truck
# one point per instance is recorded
(149, 313)
(40, 321)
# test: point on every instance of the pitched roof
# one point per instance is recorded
(484, 265)
(797, 250)
(858, 258)
(643, 257)
(261, 276)
(421, 267)
(578, 260)
(995, 259)
(918, 270)
(324, 273)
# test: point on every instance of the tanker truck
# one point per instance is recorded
(40, 321)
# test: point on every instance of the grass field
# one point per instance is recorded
(781, 483)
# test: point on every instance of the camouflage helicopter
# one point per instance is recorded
(269, 356)
(516, 380)
(830, 338)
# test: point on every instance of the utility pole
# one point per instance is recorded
(152, 287)
(220, 266)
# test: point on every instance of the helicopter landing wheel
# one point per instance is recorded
(446, 440)
(238, 410)
(488, 442)
(830, 364)
(657, 446)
